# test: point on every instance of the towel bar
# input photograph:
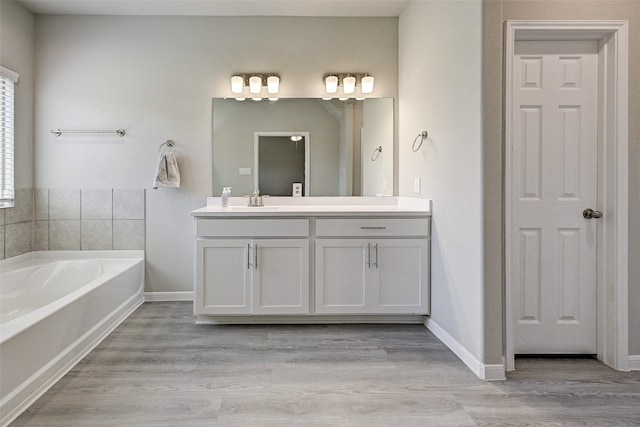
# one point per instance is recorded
(58, 132)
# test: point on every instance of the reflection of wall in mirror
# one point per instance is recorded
(377, 176)
(235, 122)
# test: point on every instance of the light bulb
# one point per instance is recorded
(255, 84)
(273, 84)
(237, 84)
(331, 84)
(349, 84)
(367, 84)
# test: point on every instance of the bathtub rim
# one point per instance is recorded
(13, 327)
(63, 255)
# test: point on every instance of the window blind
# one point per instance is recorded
(8, 79)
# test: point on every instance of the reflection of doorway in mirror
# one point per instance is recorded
(281, 159)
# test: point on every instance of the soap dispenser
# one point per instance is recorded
(224, 199)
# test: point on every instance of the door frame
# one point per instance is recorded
(256, 156)
(612, 328)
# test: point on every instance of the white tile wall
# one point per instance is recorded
(64, 204)
(96, 204)
(96, 234)
(16, 225)
(89, 219)
(73, 219)
(41, 205)
(128, 234)
(64, 235)
(18, 238)
(128, 203)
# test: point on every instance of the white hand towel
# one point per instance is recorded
(167, 173)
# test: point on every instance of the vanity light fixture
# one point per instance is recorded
(349, 84)
(255, 85)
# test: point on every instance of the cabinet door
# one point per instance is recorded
(223, 276)
(280, 276)
(342, 273)
(400, 279)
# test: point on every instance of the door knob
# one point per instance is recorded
(590, 213)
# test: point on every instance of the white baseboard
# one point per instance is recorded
(634, 363)
(168, 296)
(482, 370)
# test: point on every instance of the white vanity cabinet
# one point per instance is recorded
(312, 260)
(252, 266)
(372, 266)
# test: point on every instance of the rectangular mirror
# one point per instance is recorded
(347, 146)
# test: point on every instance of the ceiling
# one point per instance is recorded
(219, 7)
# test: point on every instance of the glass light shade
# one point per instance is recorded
(367, 84)
(237, 84)
(257, 99)
(273, 99)
(273, 84)
(331, 84)
(240, 99)
(255, 84)
(349, 84)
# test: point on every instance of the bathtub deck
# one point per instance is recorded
(158, 368)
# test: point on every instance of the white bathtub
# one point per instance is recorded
(55, 307)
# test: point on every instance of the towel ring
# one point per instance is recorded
(376, 153)
(422, 135)
(169, 143)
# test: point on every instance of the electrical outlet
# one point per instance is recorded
(416, 185)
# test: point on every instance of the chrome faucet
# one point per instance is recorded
(255, 200)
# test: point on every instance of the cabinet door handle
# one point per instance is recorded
(376, 255)
(372, 228)
(368, 255)
(255, 256)
(248, 255)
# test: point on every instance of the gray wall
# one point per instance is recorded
(440, 92)
(17, 52)
(494, 14)
(155, 77)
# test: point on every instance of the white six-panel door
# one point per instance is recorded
(554, 161)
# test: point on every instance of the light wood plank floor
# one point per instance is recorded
(160, 369)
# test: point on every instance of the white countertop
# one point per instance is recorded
(317, 206)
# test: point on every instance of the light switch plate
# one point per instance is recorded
(297, 189)
(416, 185)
